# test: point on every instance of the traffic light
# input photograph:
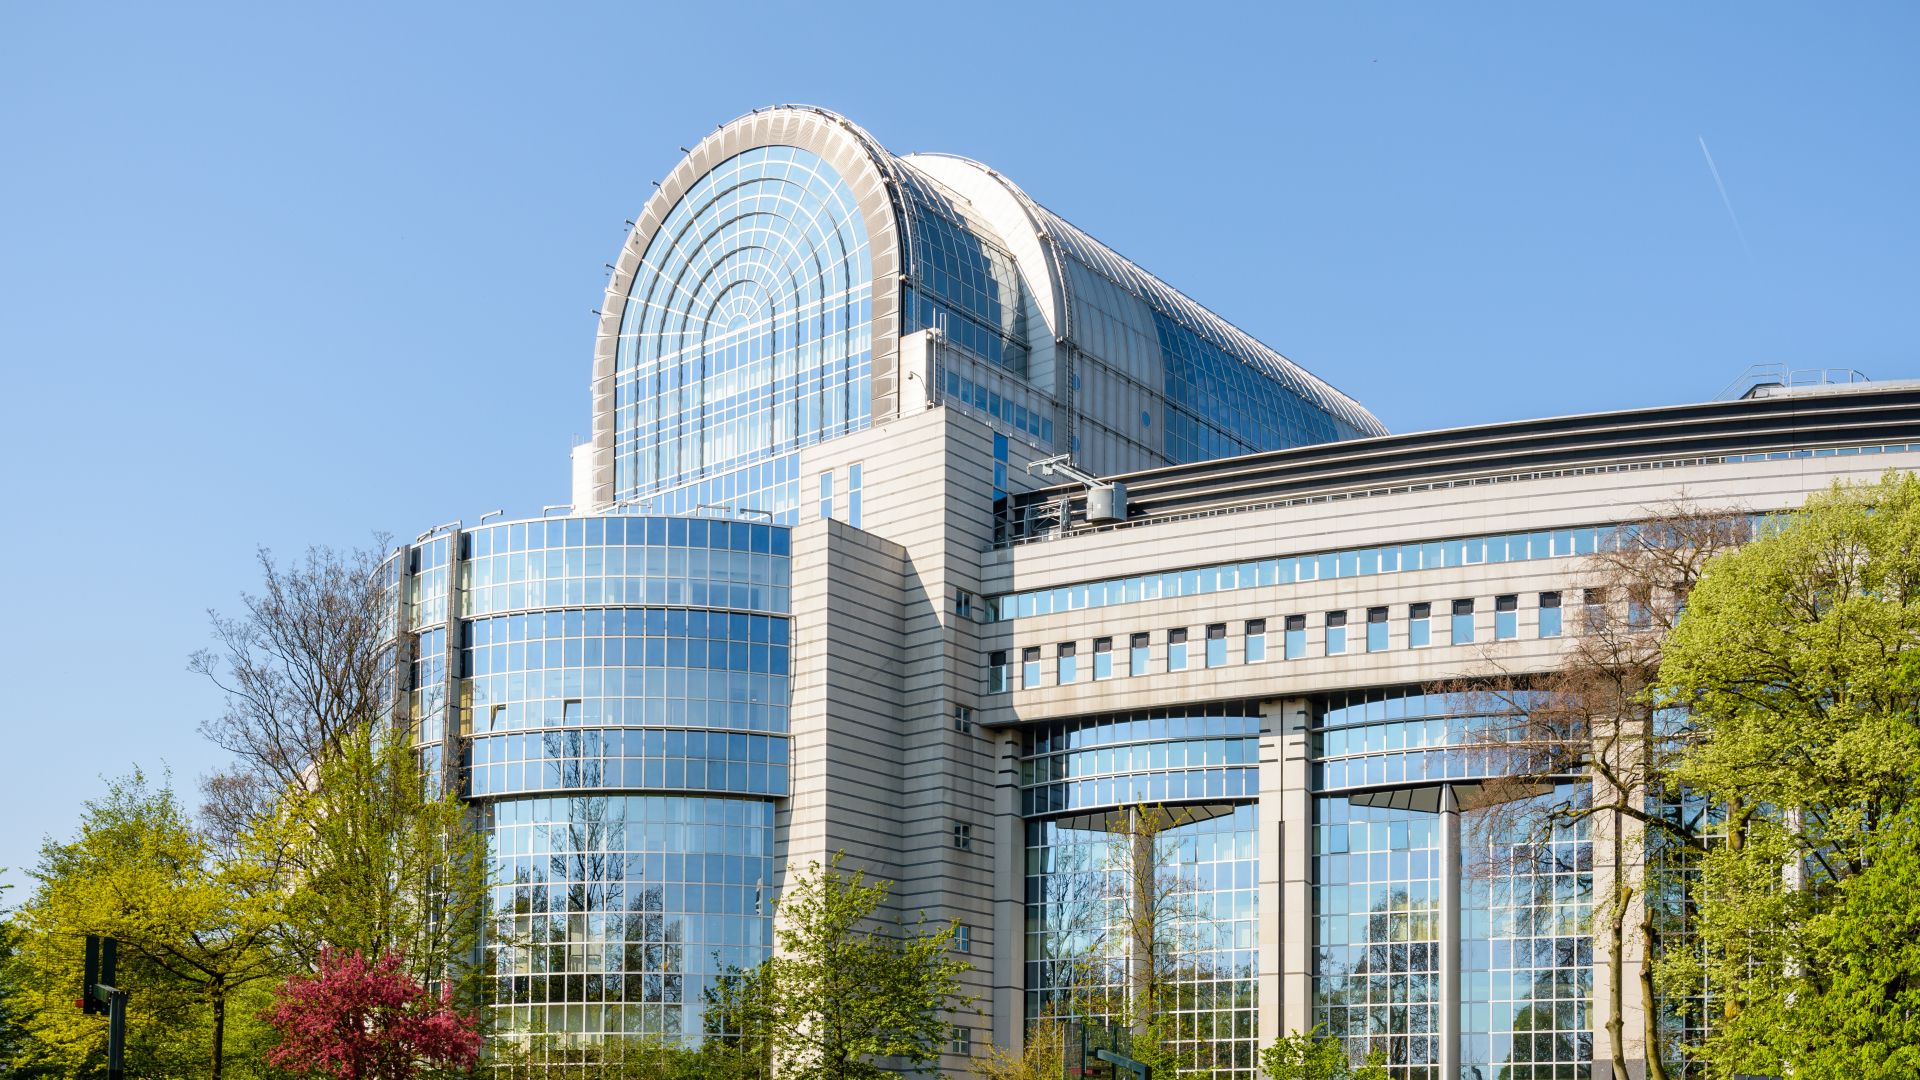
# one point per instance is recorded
(100, 965)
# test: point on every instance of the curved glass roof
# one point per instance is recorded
(757, 306)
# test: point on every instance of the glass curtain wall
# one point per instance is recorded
(1396, 862)
(619, 692)
(1133, 836)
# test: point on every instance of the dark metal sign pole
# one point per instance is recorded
(116, 1002)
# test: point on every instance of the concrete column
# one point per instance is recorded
(1449, 933)
(1010, 891)
(1286, 848)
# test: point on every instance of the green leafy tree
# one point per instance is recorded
(194, 929)
(844, 992)
(20, 1050)
(377, 864)
(1307, 1055)
(1043, 1055)
(1795, 661)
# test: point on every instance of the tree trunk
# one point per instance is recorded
(1649, 1014)
(1616, 973)
(219, 1030)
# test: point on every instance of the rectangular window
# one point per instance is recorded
(826, 494)
(1336, 633)
(1067, 658)
(1296, 637)
(1463, 622)
(1419, 625)
(570, 712)
(1217, 645)
(962, 938)
(962, 1044)
(1506, 618)
(963, 603)
(1030, 667)
(1103, 658)
(1595, 603)
(1138, 647)
(963, 719)
(1640, 608)
(963, 836)
(1549, 614)
(1256, 640)
(998, 672)
(1176, 650)
(1376, 629)
(853, 495)
(497, 718)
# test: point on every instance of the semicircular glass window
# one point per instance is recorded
(745, 333)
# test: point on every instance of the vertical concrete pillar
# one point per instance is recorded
(1010, 892)
(1450, 1005)
(1286, 849)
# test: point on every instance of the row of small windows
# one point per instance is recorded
(1326, 566)
(1133, 655)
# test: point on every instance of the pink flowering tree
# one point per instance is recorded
(359, 1021)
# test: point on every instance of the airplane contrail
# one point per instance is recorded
(1718, 183)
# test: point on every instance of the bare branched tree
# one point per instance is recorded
(303, 663)
(1594, 717)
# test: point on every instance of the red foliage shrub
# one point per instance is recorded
(360, 1021)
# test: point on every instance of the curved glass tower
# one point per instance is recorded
(611, 693)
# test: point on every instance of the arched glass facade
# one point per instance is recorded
(1394, 861)
(1132, 820)
(619, 692)
(746, 333)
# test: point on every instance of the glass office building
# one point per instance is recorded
(818, 592)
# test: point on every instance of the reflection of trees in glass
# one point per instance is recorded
(1136, 933)
(1377, 948)
(1396, 967)
(590, 944)
(1528, 866)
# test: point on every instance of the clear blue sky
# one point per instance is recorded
(278, 275)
